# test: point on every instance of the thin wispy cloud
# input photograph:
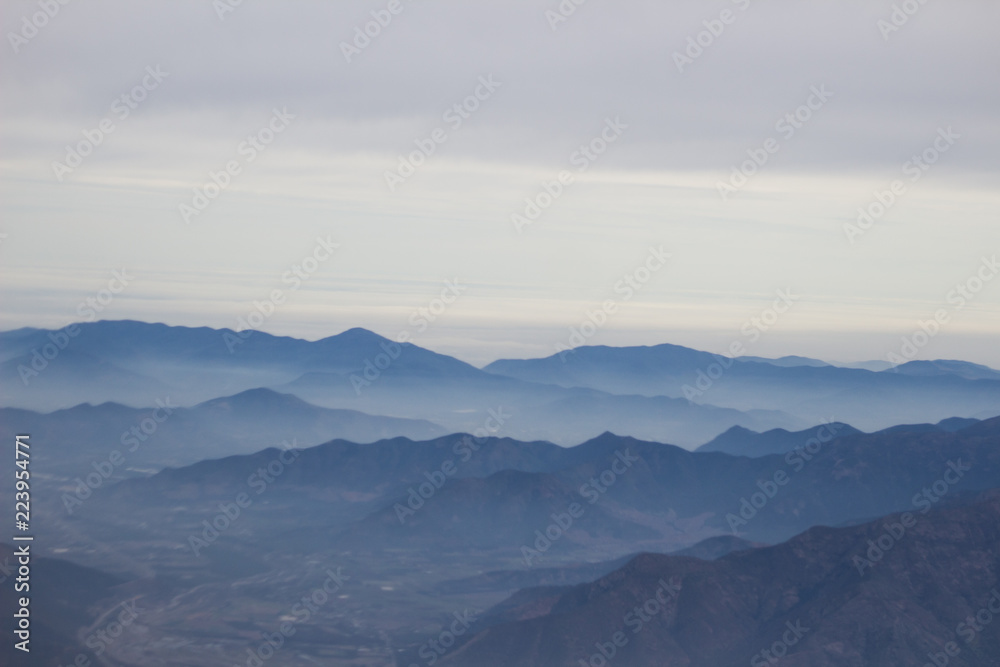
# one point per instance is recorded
(356, 118)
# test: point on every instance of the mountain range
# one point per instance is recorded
(495, 496)
(605, 506)
(493, 530)
(911, 392)
(829, 597)
(663, 393)
(166, 435)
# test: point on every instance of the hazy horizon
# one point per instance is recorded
(532, 91)
(481, 357)
(213, 186)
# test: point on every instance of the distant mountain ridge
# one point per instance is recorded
(941, 367)
(811, 391)
(663, 393)
(790, 360)
(156, 437)
(135, 363)
(740, 441)
(445, 494)
(744, 442)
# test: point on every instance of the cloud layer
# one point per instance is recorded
(558, 83)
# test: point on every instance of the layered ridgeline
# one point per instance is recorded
(912, 392)
(663, 393)
(537, 504)
(409, 533)
(79, 440)
(137, 364)
(909, 589)
(745, 442)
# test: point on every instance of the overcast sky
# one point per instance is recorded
(674, 127)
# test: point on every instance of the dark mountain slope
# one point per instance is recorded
(806, 598)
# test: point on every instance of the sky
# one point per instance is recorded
(491, 177)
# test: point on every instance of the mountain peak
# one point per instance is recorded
(965, 369)
(357, 334)
(256, 398)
